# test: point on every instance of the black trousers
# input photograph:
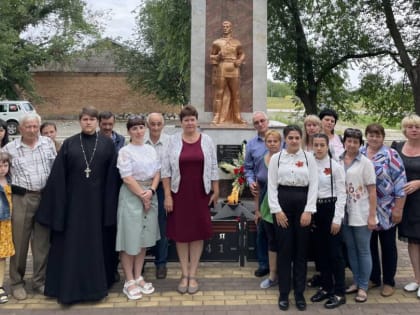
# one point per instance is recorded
(292, 241)
(389, 256)
(329, 250)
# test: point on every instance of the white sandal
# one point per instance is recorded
(134, 293)
(146, 287)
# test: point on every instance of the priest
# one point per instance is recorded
(79, 201)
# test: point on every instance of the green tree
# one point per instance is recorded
(383, 99)
(35, 32)
(312, 42)
(393, 25)
(158, 61)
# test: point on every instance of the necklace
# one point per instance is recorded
(88, 170)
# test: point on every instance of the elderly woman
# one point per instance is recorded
(409, 228)
(190, 182)
(360, 217)
(292, 193)
(137, 216)
(329, 118)
(390, 181)
(311, 126)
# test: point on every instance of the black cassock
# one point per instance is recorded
(79, 212)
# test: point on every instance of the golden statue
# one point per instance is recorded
(226, 57)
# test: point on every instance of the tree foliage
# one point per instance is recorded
(311, 42)
(158, 61)
(385, 100)
(35, 32)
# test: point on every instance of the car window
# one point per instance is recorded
(3, 108)
(13, 108)
(26, 107)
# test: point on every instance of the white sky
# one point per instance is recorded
(119, 17)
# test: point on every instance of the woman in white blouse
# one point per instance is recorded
(360, 217)
(137, 216)
(292, 194)
(328, 218)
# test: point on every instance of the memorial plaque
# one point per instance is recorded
(227, 152)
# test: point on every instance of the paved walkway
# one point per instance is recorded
(227, 289)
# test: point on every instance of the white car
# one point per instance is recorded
(12, 111)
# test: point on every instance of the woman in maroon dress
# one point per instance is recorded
(190, 181)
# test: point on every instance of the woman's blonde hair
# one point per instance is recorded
(310, 119)
(411, 119)
(272, 132)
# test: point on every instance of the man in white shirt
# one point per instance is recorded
(32, 159)
(159, 141)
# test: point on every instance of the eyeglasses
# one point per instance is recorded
(261, 121)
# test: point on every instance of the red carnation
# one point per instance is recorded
(299, 164)
(236, 171)
(327, 171)
(242, 169)
(241, 180)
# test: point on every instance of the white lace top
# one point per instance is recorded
(139, 161)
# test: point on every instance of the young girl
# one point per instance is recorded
(328, 217)
(6, 243)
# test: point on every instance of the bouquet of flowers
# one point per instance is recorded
(236, 169)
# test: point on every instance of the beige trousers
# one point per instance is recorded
(25, 230)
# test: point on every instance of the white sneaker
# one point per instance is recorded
(411, 287)
(418, 293)
(268, 283)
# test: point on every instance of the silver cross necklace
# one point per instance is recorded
(88, 170)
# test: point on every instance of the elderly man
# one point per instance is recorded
(159, 141)
(32, 158)
(256, 149)
(106, 127)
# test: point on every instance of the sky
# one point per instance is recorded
(119, 18)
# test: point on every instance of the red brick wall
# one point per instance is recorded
(64, 94)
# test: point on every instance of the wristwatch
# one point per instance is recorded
(152, 190)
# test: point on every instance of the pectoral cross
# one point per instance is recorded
(87, 171)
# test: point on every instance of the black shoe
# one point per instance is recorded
(301, 303)
(335, 301)
(283, 304)
(319, 296)
(161, 272)
(261, 272)
(314, 282)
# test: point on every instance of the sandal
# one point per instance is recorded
(145, 287)
(183, 288)
(361, 296)
(191, 289)
(3, 296)
(351, 289)
(134, 293)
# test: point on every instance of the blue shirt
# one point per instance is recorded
(255, 149)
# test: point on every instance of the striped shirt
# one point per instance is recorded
(31, 166)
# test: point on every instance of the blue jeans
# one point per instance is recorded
(357, 239)
(262, 247)
(161, 248)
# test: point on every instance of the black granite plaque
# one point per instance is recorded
(227, 152)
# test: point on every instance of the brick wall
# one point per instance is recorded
(63, 94)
